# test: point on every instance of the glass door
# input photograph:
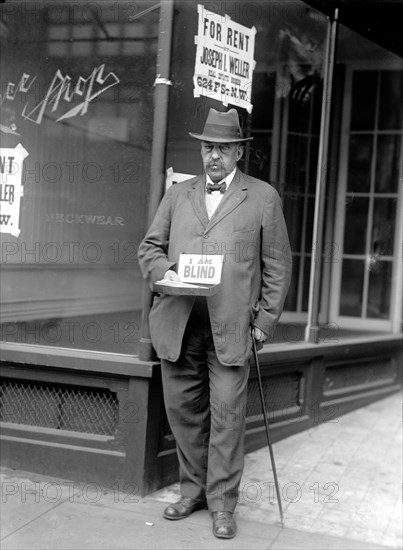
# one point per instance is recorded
(365, 276)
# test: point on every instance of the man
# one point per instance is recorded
(204, 343)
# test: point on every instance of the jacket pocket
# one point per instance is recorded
(246, 235)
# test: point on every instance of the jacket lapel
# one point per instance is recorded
(235, 195)
(197, 198)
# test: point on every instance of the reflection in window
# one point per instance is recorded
(363, 112)
(359, 164)
(352, 276)
(387, 163)
(390, 101)
(380, 282)
(356, 225)
(299, 187)
(383, 227)
(71, 278)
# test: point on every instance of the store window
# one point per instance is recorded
(284, 122)
(285, 126)
(77, 100)
(370, 170)
(77, 104)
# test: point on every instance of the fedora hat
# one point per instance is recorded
(221, 128)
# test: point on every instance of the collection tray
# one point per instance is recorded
(194, 290)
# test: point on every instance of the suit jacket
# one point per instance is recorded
(249, 230)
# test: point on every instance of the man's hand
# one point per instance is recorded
(258, 335)
(171, 275)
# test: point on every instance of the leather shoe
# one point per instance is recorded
(224, 526)
(183, 508)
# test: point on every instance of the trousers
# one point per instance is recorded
(205, 403)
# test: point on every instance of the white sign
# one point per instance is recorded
(175, 177)
(200, 268)
(224, 59)
(11, 190)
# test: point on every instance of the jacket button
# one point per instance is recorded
(204, 236)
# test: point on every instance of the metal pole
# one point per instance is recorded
(266, 422)
(397, 316)
(312, 327)
(157, 173)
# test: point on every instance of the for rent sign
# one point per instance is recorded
(11, 161)
(224, 59)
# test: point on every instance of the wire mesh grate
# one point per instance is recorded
(59, 407)
(374, 372)
(281, 393)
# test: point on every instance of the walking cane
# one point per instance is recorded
(259, 378)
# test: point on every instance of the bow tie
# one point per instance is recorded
(216, 187)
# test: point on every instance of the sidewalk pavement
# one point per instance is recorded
(341, 486)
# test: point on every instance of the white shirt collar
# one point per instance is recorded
(228, 178)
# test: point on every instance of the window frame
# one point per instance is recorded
(392, 324)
